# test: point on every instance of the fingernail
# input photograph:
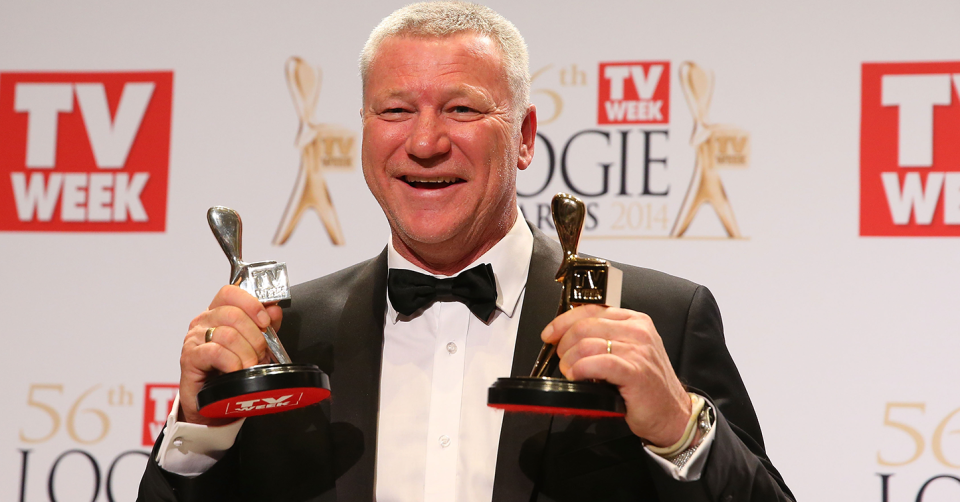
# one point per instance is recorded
(546, 332)
(264, 318)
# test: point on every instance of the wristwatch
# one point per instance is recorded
(704, 423)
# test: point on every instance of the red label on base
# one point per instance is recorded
(265, 402)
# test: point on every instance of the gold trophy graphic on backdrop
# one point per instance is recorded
(585, 280)
(716, 146)
(323, 147)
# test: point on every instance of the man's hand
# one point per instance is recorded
(658, 407)
(237, 343)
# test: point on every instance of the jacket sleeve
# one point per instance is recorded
(158, 485)
(737, 467)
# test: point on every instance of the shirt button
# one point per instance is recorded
(452, 348)
(178, 442)
(444, 441)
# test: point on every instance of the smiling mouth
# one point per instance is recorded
(431, 183)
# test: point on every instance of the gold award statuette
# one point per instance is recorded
(717, 146)
(265, 388)
(585, 280)
(323, 147)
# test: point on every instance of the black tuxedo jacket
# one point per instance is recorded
(327, 452)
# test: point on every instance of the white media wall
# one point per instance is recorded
(827, 153)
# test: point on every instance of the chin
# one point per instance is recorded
(426, 236)
(428, 231)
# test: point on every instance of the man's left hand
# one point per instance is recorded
(658, 407)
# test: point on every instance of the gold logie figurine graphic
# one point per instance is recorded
(716, 146)
(323, 147)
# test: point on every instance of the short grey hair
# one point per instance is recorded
(444, 19)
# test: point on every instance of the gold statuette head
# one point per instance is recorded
(585, 280)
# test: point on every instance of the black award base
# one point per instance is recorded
(263, 389)
(556, 396)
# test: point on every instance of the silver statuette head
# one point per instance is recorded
(266, 280)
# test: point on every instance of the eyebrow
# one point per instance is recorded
(449, 92)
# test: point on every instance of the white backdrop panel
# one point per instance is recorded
(830, 330)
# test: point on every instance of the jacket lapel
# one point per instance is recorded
(524, 435)
(355, 383)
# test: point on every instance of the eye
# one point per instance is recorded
(463, 112)
(394, 113)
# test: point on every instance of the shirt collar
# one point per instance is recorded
(510, 259)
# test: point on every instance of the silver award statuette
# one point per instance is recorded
(585, 280)
(266, 280)
(265, 388)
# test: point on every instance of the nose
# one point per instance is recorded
(428, 139)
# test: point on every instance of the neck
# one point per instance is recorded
(450, 257)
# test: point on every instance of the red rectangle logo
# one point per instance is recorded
(634, 93)
(909, 153)
(84, 152)
(157, 400)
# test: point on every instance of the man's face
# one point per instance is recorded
(441, 142)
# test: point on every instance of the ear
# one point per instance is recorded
(528, 136)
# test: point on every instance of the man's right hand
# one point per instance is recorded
(237, 343)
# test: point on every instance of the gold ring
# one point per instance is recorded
(609, 346)
(209, 335)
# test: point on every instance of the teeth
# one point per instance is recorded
(417, 179)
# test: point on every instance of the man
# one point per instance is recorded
(446, 125)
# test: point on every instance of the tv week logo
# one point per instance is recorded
(157, 401)
(84, 152)
(909, 153)
(263, 403)
(634, 93)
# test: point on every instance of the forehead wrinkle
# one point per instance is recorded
(469, 91)
(446, 92)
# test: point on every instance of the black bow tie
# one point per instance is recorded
(476, 288)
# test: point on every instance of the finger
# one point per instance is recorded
(230, 339)
(276, 315)
(553, 331)
(207, 358)
(612, 369)
(235, 318)
(631, 331)
(197, 364)
(648, 369)
(234, 296)
(584, 348)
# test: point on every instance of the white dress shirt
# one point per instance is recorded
(436, 438)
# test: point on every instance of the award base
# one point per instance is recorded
(556, 396)
(263, 389)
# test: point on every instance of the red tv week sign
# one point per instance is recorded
(634, 93)
(909, 153)
(157, 400)
(84, 152)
